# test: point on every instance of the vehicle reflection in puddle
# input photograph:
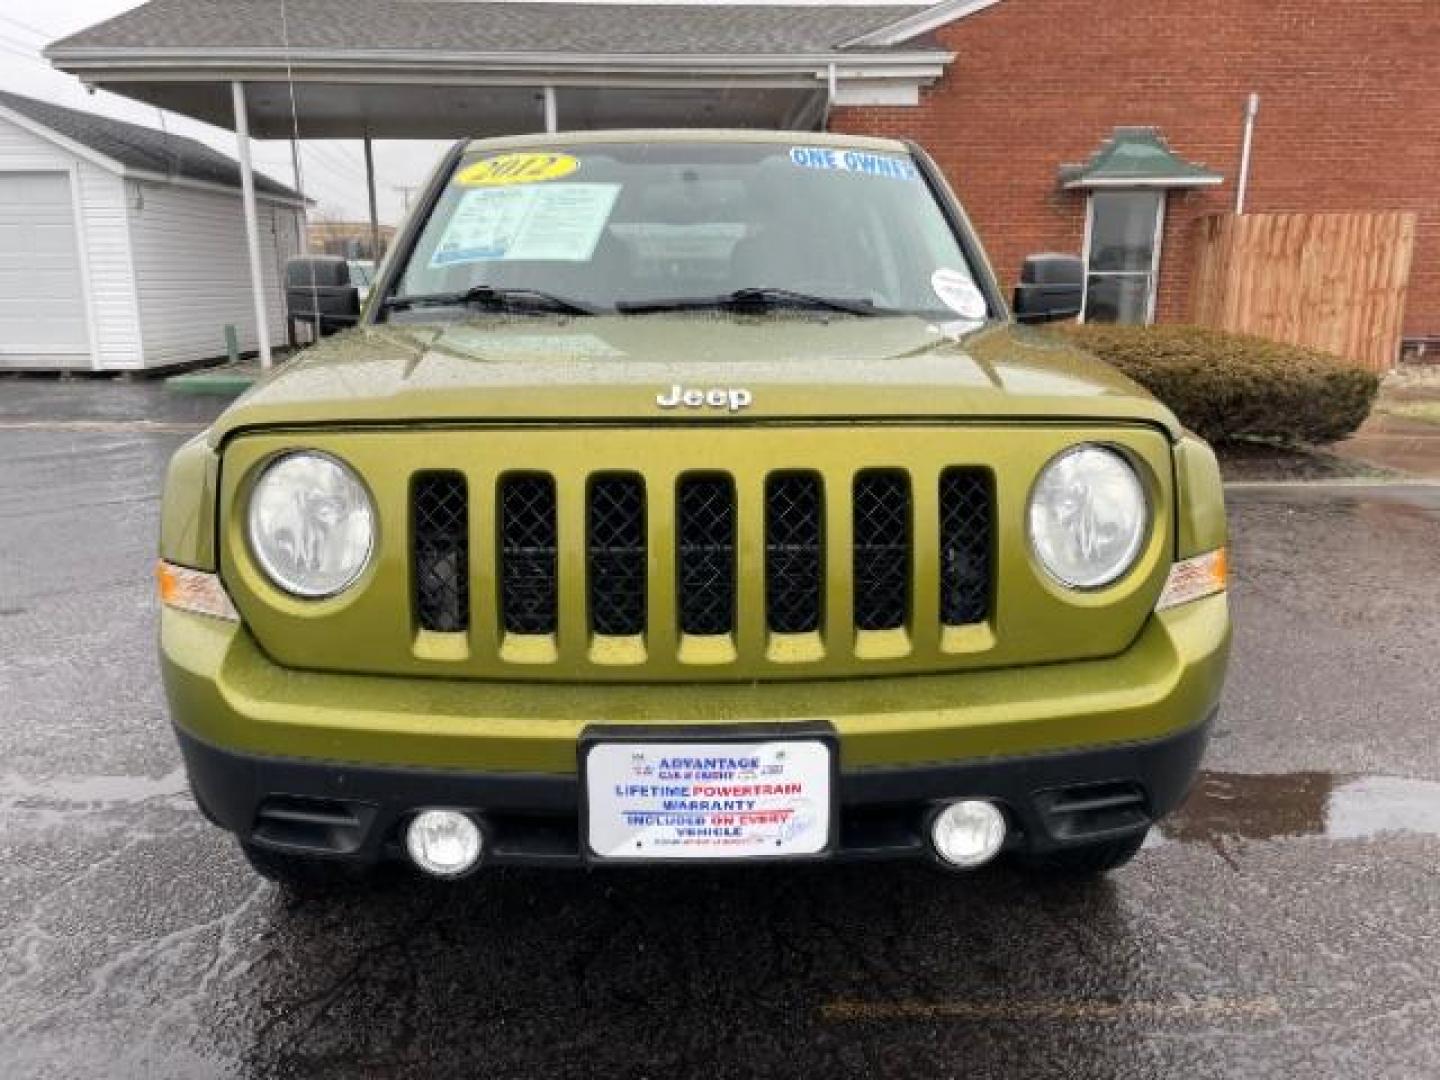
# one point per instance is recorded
(1257, 806)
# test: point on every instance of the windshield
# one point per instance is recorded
(655, 226)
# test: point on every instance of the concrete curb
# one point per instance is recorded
(1337, 482)
(221, 383)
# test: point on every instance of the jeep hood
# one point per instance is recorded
(611, 369)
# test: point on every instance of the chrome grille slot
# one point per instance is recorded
(966, 531)
(794, 552)
(440, 551)
(881, 554)
(705, 529)
(616, 555)
(529, 544)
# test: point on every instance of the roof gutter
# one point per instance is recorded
(917, 68)
(153, 57)
(293, 202)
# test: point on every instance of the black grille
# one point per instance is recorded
(441, 551)
(965, 540)
(527, 554)
(794, 526)
(706, 529)
(882, 550)
(616, 552)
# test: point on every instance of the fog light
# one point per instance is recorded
(968, 833)
(445, 843)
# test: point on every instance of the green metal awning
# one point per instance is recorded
(1136, 157)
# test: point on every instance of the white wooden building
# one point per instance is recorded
(123, 247)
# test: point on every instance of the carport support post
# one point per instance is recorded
(370, 188)
(552, 121)
(252, 221)
(303, 221)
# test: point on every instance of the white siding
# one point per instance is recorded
(105, 241)
(192, 272)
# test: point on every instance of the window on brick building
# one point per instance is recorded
(1126, 182)
(1122, 254)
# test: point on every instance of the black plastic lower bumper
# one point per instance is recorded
(355, 812)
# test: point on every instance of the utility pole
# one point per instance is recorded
(405, 191)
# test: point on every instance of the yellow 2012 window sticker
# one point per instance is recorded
(516, 169)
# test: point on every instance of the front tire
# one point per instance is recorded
(303, 874)
(1090, 860)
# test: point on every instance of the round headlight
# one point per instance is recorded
(1088, 517)
(311, 524)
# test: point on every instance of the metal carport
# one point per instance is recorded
(407, 69)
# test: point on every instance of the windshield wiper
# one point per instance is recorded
(752, 298)
(489, 296)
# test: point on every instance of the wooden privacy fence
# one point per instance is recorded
(1332, 281)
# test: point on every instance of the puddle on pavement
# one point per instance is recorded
(96, 791)
(1257, 806)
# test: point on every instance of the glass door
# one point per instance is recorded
(1122, 255)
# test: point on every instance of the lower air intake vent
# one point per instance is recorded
(311, 824)
(1086, 810)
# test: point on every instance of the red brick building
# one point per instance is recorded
(1349, 117)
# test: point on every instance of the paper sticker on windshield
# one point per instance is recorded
(958, 293)
(854, 161)
(506, 169)
(549, 223)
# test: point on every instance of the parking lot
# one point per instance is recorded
(1285, 923)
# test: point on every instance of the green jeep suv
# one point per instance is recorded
(692, 496)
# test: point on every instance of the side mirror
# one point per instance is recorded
(318, 293)
(1052, 287)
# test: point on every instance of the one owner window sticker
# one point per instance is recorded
(890, 166)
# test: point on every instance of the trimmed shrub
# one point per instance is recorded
(1227, 386)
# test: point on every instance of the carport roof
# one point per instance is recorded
(418, 69)
(140, 149)
(467, 25)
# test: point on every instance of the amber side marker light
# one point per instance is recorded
(193, 590)
(1194, 578)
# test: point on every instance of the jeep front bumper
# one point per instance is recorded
(334, 764)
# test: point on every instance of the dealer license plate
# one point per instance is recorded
(698, 800)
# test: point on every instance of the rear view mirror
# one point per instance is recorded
(1052, 287)
(318, 294)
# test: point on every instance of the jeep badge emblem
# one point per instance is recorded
(732, 398)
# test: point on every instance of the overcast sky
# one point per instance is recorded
(333, 170)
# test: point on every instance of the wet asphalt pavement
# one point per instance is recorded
(1286, 923)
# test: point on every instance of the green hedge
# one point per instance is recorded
(1225, 386)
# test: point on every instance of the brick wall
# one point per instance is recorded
(1349, 116)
